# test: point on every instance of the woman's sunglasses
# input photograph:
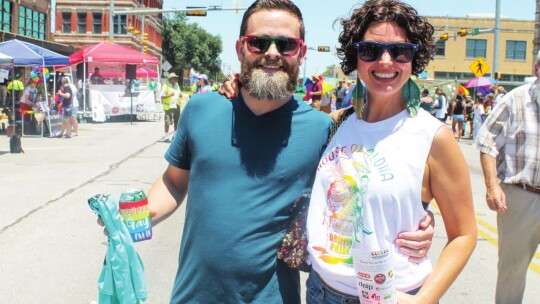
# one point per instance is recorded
(401, 52)
(286, 46)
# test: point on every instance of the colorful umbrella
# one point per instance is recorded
(480, 82)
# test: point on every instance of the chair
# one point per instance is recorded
(25, 110)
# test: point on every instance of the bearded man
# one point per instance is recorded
(241, 163)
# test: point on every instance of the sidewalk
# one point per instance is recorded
(51, 168)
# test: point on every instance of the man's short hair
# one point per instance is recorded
(282, 5)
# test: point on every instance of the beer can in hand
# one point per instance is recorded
(133, 207)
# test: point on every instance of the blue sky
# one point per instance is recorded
(319, 16)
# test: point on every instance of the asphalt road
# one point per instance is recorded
(51, 249)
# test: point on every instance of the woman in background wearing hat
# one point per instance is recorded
(316, 91)
(202, 85)
(170, 97)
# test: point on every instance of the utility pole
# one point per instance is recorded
(111, 20)
(496, 40)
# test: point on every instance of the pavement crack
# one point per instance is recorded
(112, 167)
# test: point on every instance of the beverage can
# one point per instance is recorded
(133, 207)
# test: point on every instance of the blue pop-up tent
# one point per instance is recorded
(28, 54)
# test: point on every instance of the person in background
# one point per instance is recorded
(509, 145)
(96, 77)
(341, 92)
(356, 206)
(214, 86)
(15, 89)
(479, 115)
(228, 252)
(426, 102)
(3, 87)
(316, 91)
(458, 116)
(202, 85)
(500, 93)
(488, 104)
(440, 105)
(300, 89)
(469, 112)
(74, 109)
(67, 107)
(28, 100)
(170, 97)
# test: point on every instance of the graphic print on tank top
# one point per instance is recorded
(349, 176)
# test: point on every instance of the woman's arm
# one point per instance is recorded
(449, 181)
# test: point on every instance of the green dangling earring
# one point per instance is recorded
(411, 97)
(359, 98)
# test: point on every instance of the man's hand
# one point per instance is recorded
(231, 87)
(416, 244)
(496, 199)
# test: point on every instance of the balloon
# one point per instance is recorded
(44, 73)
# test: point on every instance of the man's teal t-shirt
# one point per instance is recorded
(245, 172)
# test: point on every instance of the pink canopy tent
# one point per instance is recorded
(112, 53)
(107, 53)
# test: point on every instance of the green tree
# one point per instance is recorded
(187, 45)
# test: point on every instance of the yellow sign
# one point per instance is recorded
(479, 67)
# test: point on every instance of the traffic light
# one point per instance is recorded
(462, 32)
(145, 49)
(444, 36)
(196, 11)
(499, 75)
(323, 49)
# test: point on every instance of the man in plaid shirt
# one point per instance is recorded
(510, 156)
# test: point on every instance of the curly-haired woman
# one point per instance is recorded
(384, 165)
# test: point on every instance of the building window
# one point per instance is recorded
(31, 23)
(5, 16)
(66, 22)
(476, 48)
(120, 24)
(96, 23)
(81, 23)
(516, 49)
(441, 48)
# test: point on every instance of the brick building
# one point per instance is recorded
(83, 23)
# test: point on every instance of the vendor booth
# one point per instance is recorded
(26, 54)
(116, 96)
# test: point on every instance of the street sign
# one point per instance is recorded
(479, 67)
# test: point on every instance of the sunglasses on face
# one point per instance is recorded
(286, 46)
(401, 52)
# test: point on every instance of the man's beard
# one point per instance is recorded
(272, 86)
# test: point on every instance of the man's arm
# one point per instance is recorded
(495, 197)
(167, 193)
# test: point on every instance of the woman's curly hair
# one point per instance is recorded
(418, 30)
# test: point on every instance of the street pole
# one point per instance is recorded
(496, 40)
(305, 65)
(111, 20)
(141, 38)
